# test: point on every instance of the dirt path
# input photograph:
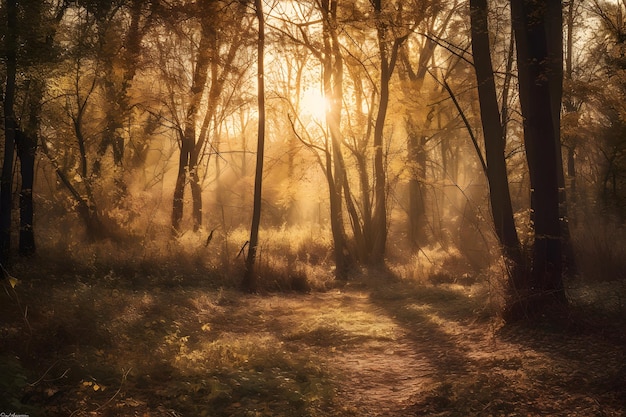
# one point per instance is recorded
(424, 354)
(382, 380)
(380, 370)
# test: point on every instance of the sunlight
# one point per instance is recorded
(314, 104)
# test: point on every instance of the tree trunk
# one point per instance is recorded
(10, 128)
(188, 161)
(249, 279)
(181, 180)
(332, 62)
(536, 92)
(26, 148)
(116, 90)
(416, 152)
(379, 216)
(493, 132)
(417, 192)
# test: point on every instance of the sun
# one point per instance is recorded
(314, 104)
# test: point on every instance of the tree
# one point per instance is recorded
(328, 52)
(26, 144)
(609, 67)
(539, 47)
(494, 136)
(332, 73)
(188, 164)
(222, 27)
(249, 279)
(68, 145)
(417, 127)
(120, 54)
(388, 54)
(10, 130)
(29, 55)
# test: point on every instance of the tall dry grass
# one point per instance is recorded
(289, 258)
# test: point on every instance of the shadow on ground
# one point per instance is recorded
(111, 346)
(483, 368)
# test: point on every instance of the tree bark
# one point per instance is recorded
(10, 128)
(249, 279)
(332, 62)
(538, 103)
(26, 148)
(416, 143)
(187, 164)
(388, 57)
(416, 152)
(379, 217)
(493, 132)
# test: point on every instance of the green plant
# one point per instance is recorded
(13, 383)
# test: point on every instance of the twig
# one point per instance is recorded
(32, 384)
(116, 392)
(242, 249)
(208, 239)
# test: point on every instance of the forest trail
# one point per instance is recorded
(379, 368)
(114, 347)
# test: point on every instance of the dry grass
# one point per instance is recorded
(161, 330)
(380, 345)
(601, 250)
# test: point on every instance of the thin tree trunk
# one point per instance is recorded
(388, 54)
(416, 143)
(332, 62)
(26, 148)
(249, 279)
(416, 152)
(379, 218)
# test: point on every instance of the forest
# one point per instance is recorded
(313, 208)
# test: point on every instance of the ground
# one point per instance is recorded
(110, 345)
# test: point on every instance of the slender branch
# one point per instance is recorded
(445, 85)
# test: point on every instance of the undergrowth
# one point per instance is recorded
(159, 326)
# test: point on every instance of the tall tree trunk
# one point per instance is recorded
(26, 148)
(567, 197)
(388, 54)
(10, 128)
(493, 132)
(416, 152)
(332, 62)
(536, 92)
(379, 215)
(249, 279)
(416, 143)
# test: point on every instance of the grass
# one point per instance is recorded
(116, 350)
(116, 333)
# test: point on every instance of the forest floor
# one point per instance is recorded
(114, 346)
